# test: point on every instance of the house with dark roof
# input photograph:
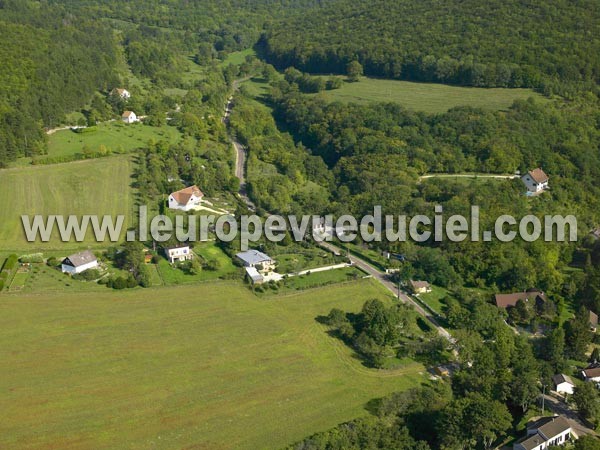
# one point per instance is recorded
(186, 199)
(545, 432)
(79, 262)
(592, 373)
(563, 384)
(536, 180)
(254, 258)
(534, 296)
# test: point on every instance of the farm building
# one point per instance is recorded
(186, 199)
(536, 180)
(79, 262)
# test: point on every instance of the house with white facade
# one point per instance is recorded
(79, 262)
(129, 117)
(122, 93)
(563, 384)
(592, 374)
(178, 253)
(545, 432)
(186, 199)
(536, 180)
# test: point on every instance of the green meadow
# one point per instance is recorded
(98, 186)
(206, 366)
(427, 97)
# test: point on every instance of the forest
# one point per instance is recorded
(552, 46)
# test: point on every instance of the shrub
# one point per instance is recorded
(11, 262)
(52, 262)
(32, 258)
(88, 275)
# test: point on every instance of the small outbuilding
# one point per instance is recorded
(563, 384)
(420, 287)
(129, 117)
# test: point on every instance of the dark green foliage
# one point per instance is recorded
(587, 400)
(88, 275)
(578, 335)
(454, 42)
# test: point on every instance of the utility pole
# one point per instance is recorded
(543, 397)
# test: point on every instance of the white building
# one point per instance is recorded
(186, 199)
(254, 259)
(591, 374)
(535, 180)
(545, 432)
(178, 253)
(79, 262)
(122, 93)
(254, 276)
(563, 384)
(129, 117)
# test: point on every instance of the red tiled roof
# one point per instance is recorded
(184, 195)
(506, 300)
(538, 175)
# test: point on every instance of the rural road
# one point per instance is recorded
(240, 150)
(392, 287)
(467, 175)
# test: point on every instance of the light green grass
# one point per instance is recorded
(238, 57)
(99, 186)
(427, 97)
(317, 279)
(210, 367)
(115, 136)
(206, 251)
(434, 298)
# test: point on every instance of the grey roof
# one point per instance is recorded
(550, 426)
(253, 257)
(531, 442)
(562, 378)
(80, 259)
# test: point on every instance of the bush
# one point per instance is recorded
(11, 262)
(52, 262)
(33, 258)
(1, 284)
(88, 275)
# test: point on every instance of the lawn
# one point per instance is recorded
(434, 299)
(204, 366)
(317, 279)
(238, 57)
(427, 97)
(99, 186)
(115, 136)
(206, 251)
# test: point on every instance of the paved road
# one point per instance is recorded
(392, 287)
(561, 408)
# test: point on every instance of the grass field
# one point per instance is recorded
(434, 298)
(238, 57)
(427, 97)
(204, 367)
(99, 186)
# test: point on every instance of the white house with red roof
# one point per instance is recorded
(186, 199)
(129, 117)
(119, 92)
(536, 180)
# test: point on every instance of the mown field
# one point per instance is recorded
(427, 97)
(210, 367)
(98, 186)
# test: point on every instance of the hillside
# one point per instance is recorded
(495, 44)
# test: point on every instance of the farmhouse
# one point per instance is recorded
(178, 253)
(256, 260)
(122, 93)
(420, 287)
(79, 262)
(563, 384)
(510, 300)
(129, 117)
(535, 180)
(186, 199)
(545, 432)
(592, 374)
